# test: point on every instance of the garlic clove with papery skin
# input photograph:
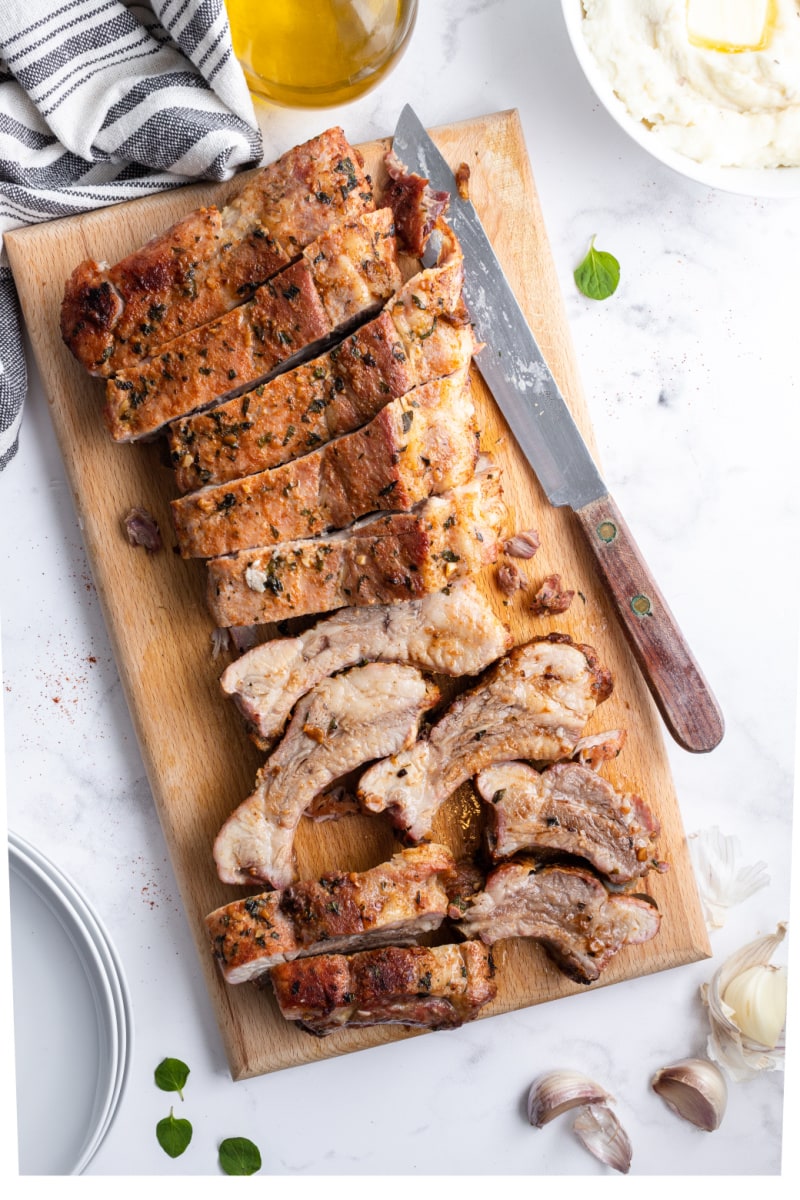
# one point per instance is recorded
(741, 1055)
(694, 1089)
(599, 1130)
(557, 1091)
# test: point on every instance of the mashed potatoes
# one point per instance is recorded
(729, 109)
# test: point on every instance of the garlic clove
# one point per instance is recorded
(757, 999)
(557, 1091)
(599, 1130)
(694, 1089)
(741, 1055)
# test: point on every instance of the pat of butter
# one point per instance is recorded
(730, 26)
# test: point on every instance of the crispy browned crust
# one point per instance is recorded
(416, 446)
(435, 988)
(391, 902)
(293, 413)
(347, 271)
(211, 261)
(391, 557)
(423, 334)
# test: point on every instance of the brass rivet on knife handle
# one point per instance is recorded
(676, 682)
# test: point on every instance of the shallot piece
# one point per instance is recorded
(141, 529)
(722, 881)
(599, 1130)
(244, 637)
(522, 545)
(509, 579)
(551, 599)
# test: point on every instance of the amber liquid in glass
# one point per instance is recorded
(314, 53)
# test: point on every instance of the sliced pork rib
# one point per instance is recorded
(454, 632)
(571, 809)
(417, 446)
(342, 912)
(439, 987)
(393, 556)
(577, 921)
(212, 260)
(422, 334)
(346, 273)
(341, 724)
(534, 702)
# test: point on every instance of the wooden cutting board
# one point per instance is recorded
(199, 761)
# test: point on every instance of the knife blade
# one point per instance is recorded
(527, 394)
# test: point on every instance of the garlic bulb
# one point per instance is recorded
(733, 1044)
(757, 1000)
(557, 1091)
(694, 1089)
(720, 880)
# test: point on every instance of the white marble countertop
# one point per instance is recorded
(691, 376)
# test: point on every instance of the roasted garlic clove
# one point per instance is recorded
(599, 1130)
(558, 1091)
(694, 1089)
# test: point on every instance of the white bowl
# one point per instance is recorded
(783, 182)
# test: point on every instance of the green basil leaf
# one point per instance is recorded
(174, 1134)
(239, 1156)
(598, 275)
(171, 1075)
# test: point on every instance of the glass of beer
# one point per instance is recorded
(316, 53)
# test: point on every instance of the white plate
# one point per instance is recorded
(72, 1020)
(746, 181)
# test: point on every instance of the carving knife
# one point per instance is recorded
(524, 389)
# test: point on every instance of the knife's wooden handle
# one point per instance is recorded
(684, 699)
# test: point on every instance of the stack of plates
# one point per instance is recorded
(72, 1018)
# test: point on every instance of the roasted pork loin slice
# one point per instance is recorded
(453, 632)
(344, 275)
(439, 987)
(393, 556)
(212, 260)
(578, 922)
(419, 445)
(340, 725)
(422, 334)
(571, 809)
(341, 913)
(534, 702)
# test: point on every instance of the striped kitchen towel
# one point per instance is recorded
(103, 101)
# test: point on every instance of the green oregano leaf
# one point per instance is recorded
(171, 1075)
(598, 275)
(239, 1156)
(174, 1134)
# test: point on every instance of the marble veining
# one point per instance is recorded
(690, 374)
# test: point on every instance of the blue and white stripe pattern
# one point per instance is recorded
(103, 101)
